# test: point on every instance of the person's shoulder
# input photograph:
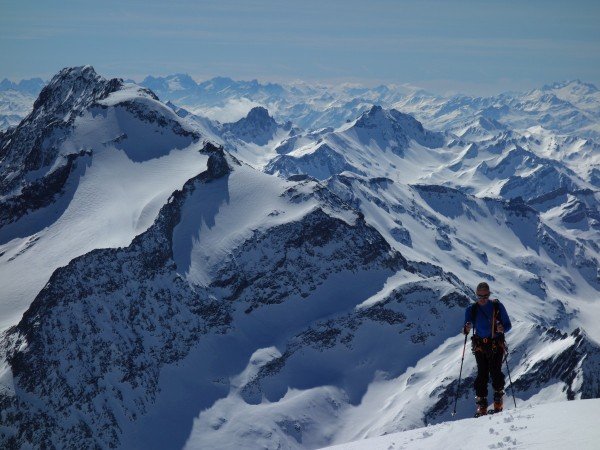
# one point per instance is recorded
(499, 303)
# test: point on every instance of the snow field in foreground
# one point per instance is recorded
(550, 426)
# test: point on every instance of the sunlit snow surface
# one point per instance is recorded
(114, 195)
(554, 426)
(362, 352)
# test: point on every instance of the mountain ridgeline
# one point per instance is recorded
(294, 278)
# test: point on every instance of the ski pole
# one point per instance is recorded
(459, 375)
(512, 388)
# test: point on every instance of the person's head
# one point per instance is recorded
(483, 292)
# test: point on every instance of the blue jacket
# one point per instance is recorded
(483, 320)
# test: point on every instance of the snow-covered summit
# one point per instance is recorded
(379, 142)
(255, 137)
(257, 127)
(172, 83)
(394, 125)
(32, 145)
(159, 290)
(84, 168)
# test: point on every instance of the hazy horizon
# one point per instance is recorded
(464, 46)
(404, 86)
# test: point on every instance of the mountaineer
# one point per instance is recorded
(489, 321)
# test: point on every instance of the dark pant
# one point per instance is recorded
(489, 364)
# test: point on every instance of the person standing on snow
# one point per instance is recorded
(489, 321)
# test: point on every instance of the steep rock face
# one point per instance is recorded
(99, 333)
(316, 239)
(258, 127)
(41, 192)
(94, 342)
(38, 157)
(34, 143)
(575, 362)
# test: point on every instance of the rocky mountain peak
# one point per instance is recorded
(258, 126)
(393, 124)
(259, 115)
(378, 116)
(72, 89)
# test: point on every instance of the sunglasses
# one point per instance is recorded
(483, 295)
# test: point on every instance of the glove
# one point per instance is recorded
(467, 328)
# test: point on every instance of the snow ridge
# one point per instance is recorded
(171, 281)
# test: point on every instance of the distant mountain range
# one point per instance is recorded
(294, 276)
(570, 107)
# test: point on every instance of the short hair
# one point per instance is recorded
(483, 286)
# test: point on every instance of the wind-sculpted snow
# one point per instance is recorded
(337, 353)
(98, 334)
(158, 291)
(94, 341)
(114, 157)
(340, 343)
(34, 143)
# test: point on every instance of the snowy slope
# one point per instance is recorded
(118, 160)
(553, 426)
(322, 254)
(378, 143)
(569, 107)
(395, 145)
(330, 384)
(164, 293)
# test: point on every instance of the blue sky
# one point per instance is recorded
(472, 46)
